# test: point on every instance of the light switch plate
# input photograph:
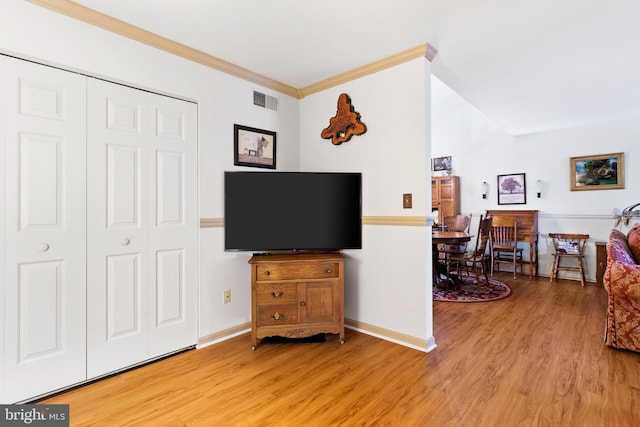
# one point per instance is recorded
(407, 201)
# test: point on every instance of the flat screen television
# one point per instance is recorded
(290, 211)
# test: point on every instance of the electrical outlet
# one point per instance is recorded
(227, 296)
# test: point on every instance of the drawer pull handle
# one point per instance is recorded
(329, 271)
(302, 303)
(277, 316)
(43, 247)
(277, 294)
(266, 273)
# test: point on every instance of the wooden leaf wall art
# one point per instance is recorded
(344, 124)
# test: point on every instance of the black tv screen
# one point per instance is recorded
(271, 211)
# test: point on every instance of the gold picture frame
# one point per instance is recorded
(598, 172)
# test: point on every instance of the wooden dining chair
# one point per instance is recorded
(568, 246)
(455, 223)
(458, 223)
(476, 261)
(504, 243)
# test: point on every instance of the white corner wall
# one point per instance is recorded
(480, 151)
(388, 282)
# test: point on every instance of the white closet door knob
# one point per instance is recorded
(125, 242)
(43, 247)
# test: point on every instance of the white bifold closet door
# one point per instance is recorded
(43, 270)
(141, 226)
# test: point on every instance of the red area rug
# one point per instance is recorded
(469, 291)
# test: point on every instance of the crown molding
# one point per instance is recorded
(421, 51)
(106, 22)
(93, 17)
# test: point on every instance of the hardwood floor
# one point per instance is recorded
(536, 358)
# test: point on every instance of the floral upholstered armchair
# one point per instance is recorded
(622, 283)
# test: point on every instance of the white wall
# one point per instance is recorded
(388, 282)
(481, 151)
(27, 30)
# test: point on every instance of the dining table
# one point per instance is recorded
(441, 276)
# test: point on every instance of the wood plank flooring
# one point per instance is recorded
(536, 358)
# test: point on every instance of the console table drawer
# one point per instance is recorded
(321, 270)
(277, 314)
(276, 293)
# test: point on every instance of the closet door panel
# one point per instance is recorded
(173, 230)
(123, 296)
(117, 215)
(44, 130)
(170, 288)
(170, 208)
(39, 302)
(123, 198)
(41, 201)
(142, 159)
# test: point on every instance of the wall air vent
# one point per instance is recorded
(265, 101)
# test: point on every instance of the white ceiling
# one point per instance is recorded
(529, 65)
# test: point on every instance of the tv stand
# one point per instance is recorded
(297, 295)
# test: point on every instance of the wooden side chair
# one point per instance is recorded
(568, 246)
(476, 261)
(458, 223)
(455, 223)
(504, 243)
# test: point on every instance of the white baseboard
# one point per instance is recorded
(382, 333)
(223, 335)
(393, 336)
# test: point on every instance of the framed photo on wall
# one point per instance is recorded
(441, 163)
(512, 189)
(599, 172)
(254, 147)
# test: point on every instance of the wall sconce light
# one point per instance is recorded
(539, 188)
(485, 189)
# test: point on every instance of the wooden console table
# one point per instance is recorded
(297, 295)
(527, 221)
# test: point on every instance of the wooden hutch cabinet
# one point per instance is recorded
(445, 196)
(297, 295)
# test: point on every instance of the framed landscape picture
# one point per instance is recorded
(512, 189)
(254, 147)
(599, 172)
